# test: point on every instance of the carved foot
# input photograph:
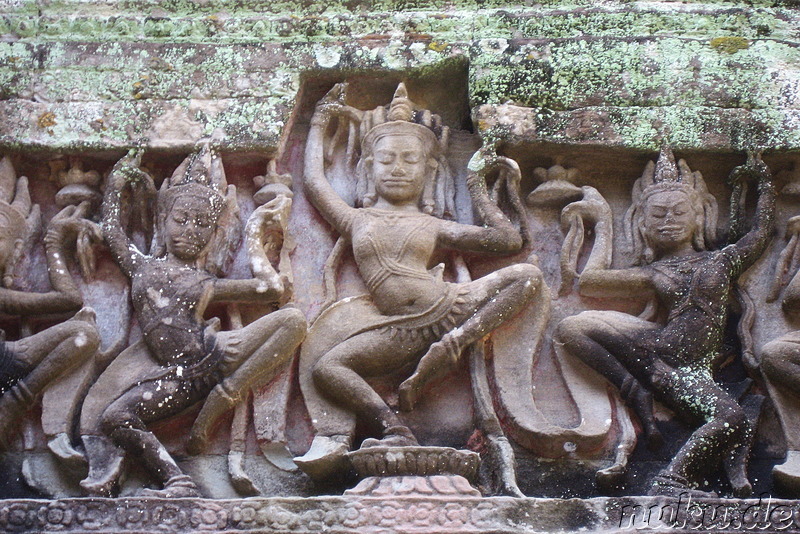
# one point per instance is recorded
(742, 490)
(397, 436)
(325, 458)
(440, 358)
(502, 466)
(671, 485)
(61, 446)
(241, 482)
(217, 403)
(736, 470)
(177, 487)
(198, 440)
(787, 474)
(105, 466)
(611, 477)
(408, 393)
(641, 400)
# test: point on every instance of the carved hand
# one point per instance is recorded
(482, 163)
(755, 168)
(269, 217)
(128, 169)
(593, 208)
(793, 226)
(332, 105)
(71, 223)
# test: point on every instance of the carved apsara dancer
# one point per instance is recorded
(191, 360)
(671, 224)
(411, 318)
(36, 362)
(779, 361)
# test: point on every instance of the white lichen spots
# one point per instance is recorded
(393, 56)
(81, 340)
(327, 57)
(262, 286)
(159, 301)
(164, 455)
(476, 163)
(493, 46)
(179, 370)
(257, 265)
(147, 395)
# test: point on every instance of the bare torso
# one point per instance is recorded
(171, 315)
(695, 291)
(393, 251)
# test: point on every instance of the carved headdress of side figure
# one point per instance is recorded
(201, 176)
(662, 176)
(20, 220)
(404, 117)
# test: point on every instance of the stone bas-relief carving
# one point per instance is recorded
(42, 363)
(671, 226)
(181, 359)
(779, 360)
(374, 360)
(412, 320)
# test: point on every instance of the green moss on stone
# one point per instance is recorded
(729, 45)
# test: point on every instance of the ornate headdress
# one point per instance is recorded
(666, 175)
(20, 218)
(403, 117)
(201, 175)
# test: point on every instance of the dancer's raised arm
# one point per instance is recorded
(68, 225)
(752, 245)
(497, 235)
(319, 190)
(598, 279)
(122, 248)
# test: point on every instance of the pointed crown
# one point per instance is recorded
(200, 175)
(667, 175)
(403, 117)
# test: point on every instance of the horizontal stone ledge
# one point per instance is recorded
(557, 74)
(399, 514)
(261, 125)
(176, 125)
(645, 129)
(220, 21)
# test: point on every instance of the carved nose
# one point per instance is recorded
(398, 170)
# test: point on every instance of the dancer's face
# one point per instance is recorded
(189, 227)
(400, 168)
(670, 220)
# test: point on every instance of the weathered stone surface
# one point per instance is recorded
(576, 96)
(401, 515)
(637, 62)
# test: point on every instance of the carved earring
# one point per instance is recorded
(428, 202)
(699, 237)
(371, 196)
